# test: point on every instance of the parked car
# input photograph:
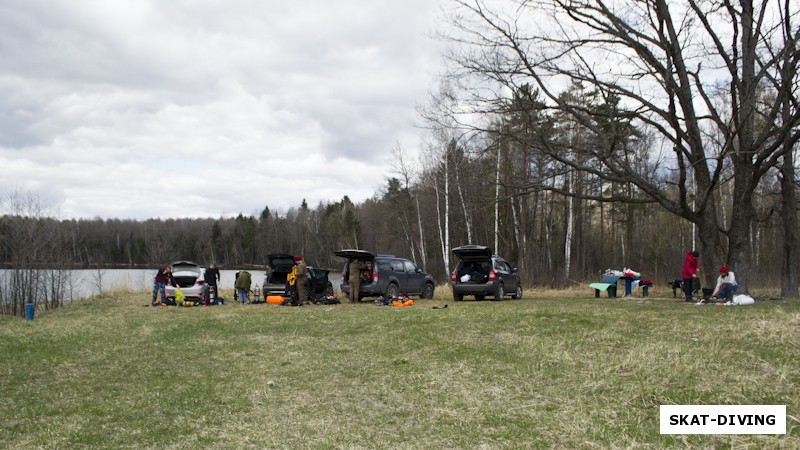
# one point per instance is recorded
(280, 265)
(386, 275)
(480, 273)
(188, 275)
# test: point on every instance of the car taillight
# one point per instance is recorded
(453, 276)
(492, 275)
(200, 282)
(375, 276)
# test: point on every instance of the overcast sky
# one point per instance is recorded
(138, 109)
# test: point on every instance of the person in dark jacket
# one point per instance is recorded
(212, 278)
(689, 274)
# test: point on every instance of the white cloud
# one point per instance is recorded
(138, 109)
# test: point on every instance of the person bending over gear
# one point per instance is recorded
(242, 285)
(726, 285)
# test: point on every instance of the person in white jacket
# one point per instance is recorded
(726, 284)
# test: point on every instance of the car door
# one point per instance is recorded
(509, 280)
(398, 272)
(416, 278)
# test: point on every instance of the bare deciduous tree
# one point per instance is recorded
(678, 71)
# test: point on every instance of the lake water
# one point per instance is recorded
(86, 281)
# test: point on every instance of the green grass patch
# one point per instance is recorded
(538, 372)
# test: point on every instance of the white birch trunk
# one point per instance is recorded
(421, 236)
(446, 240)
(568, 240)
(515, 218)
(497, 202)
(467, 221)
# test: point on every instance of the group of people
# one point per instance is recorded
(296, 281)
(724, 289)
(164, 277)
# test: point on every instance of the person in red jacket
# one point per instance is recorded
(689, 274)
(163, 276)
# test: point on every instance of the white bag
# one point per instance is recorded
(743, 300)
(465, 278)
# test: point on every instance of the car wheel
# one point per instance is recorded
(427, 292)
(457, 297)
(391, 290)
(329, 290)
(518, 293)
(499, 293)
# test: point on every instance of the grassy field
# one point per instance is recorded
(546, 371)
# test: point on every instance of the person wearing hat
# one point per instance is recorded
(301, 274)
(689, 274)
(726, 285)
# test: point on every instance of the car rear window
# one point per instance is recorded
(282, 263)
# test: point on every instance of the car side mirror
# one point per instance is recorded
(514, 270)
(419, 270)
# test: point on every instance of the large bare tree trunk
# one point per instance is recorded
(791, 241)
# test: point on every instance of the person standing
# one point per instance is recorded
(354, 269)
(212, 278)
(689, 274)
(163, 276)
(243, 286)
(301, 278)
(726, 285)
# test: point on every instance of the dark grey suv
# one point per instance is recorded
(385, 275)
(280, 264)
(480, 273)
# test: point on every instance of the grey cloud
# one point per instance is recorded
(144, 86)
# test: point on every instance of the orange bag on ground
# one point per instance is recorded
(274, 299)
(408, 302)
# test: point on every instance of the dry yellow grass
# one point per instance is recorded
(543, 372)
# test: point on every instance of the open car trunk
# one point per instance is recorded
(185, 273)
(474, 265)
(281, 262)
(368, 258)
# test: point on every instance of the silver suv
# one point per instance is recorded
(386, 275)
(480, 273)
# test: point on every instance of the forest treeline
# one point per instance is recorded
(526, 226)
